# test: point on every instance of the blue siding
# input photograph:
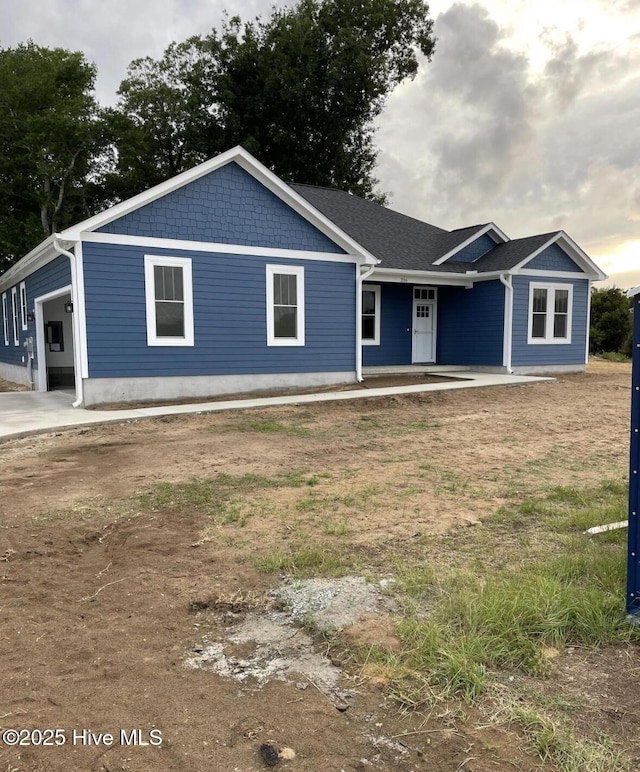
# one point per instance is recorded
(396, 304)
(471, 325)
(524, 354)
(474, 250)
(229, 317)
(50, 277)
(553, 259)
(227, 206)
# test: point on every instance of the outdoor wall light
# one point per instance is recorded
(68, 307)
(31, 316)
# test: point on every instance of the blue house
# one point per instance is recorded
(225, 279)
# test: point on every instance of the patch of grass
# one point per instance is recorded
(271, 426)
(614, 356)
(488, 614)
(556, 743)
(337, 528)
(307, 561)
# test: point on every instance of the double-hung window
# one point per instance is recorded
(169, 301)
(371, 315)
(23, 305)
(14, 312)
(285, 305)
(550, 308)
(5, 319)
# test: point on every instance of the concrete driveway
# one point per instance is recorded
(32, 412)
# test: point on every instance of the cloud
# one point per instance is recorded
(483, 133)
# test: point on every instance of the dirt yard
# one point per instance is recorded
(110, 580)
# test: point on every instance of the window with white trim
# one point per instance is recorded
(370, 324)
(14, 313)
(285, 305)
(169, 301)
(5, 319)
(550, 310)
(23, 305)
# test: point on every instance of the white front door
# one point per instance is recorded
(424, 338)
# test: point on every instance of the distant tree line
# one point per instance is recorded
(611, 326)
(300, 90)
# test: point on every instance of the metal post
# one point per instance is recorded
(633, 556)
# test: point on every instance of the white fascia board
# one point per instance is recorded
(485, 229)
(39, 256)
(259, 172)
(541, 274)
(634, 291)
(576, 253)
(204, 246)
(398, 276)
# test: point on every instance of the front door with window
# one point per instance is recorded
(424, 338)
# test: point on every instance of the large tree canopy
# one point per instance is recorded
(299, 90)
(48, 136)
(611, 321)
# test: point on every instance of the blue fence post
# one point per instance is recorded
(633, 555)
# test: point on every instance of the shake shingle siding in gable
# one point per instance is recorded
(476, 249)
(471, 325)
(553, 258)
(227, 206)
(229, 317)
(573, 353)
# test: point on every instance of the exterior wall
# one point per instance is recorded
(100, 391)
(50, 277)
(229, 300)
(475, 250)
(553, 259)
(471, 325)
(539, 354)
(396, 308)
(227, 206)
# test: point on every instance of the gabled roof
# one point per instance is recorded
(404, 243)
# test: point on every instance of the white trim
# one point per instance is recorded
(576, 253)
(23, 306)
(253, 167)
(298, 272)
(399, 276)
(80, 318)
(39, 256)
(485, 229)
(586, 345)
(5, 319)
(14, 316)
(41, 383)
(550, 314)
(434, 329)
(375, 341)
(150, 262)
(204, 246)
(542, 274)
(507, 335)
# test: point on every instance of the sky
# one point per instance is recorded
(528, 114)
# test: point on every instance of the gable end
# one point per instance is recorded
(553, 258)
(226, 206)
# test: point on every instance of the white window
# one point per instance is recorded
(550, 309)
(5, 319)
(23, 305)
(169, 298)
(285, 305)
(424, 293)
(14, 311)
(370, 315)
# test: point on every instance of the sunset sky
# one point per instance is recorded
(528, 114)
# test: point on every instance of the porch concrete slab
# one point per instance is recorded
(23, 413)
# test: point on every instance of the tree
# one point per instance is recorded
(611, 320)
(49, 134)
(300, 90)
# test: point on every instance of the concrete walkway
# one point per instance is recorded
(31, 412)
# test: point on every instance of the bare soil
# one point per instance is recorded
(104, 592)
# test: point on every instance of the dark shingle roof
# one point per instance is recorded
(405, 243)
